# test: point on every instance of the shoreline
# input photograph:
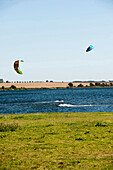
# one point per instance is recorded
(51, 85)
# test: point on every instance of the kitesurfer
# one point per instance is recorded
(59, 102)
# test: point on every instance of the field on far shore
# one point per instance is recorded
(38, 85)
(56, 141)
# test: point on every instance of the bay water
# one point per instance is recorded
(47, 100)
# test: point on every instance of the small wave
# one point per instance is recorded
(57, 101)
(28, 102)
(66, 105)
(44, 102)
(70, 105)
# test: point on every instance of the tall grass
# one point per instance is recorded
(4, 127)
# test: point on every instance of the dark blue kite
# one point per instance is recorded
(89, 48)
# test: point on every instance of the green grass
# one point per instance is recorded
(56, 141)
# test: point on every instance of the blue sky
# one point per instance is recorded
(51, 36)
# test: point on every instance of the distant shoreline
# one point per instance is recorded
(52, 85)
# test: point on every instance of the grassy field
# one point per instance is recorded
(56, 141)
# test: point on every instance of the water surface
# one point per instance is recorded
(46, 100)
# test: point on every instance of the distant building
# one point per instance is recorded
(1, 80)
